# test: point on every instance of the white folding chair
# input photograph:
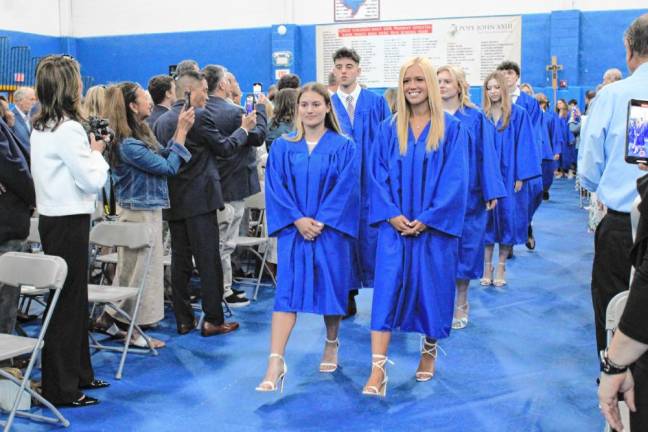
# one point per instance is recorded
(30, 294)
(132, 236)
(254, 244)
(45, 272)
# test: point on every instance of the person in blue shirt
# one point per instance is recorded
(485, 183)
(531, 195)
(359, 112)
(602, 169)
(519, 162)
(418, 203)
(313, 203)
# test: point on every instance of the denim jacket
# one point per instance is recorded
(140, 178)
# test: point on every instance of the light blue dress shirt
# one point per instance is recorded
(601, 164)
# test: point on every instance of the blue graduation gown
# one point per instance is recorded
(568, 156)
(552, 147)
(519, 160)
(415, 276)
(484, 184)
(370, 110)
(314, 276)
(531, 192)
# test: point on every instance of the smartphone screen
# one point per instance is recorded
(257, 88)
(249, 104)
(637, 132)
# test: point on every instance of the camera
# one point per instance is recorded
(100, 128)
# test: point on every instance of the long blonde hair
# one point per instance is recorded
(506, 99)
(459, 76)
(330, 121)
(404, 111)
(94, 101)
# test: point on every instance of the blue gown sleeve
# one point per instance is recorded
(340, 208)
(280, 204)
(448, 205)
(382, 206)
(491, 176)
(527, 159)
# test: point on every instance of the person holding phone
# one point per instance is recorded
(68, 170)
(313, 203)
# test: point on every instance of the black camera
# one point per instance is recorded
(100, 128)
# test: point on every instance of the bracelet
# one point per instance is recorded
(609, 367)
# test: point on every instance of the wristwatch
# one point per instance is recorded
(608, 367)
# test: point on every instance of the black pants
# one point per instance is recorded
(66, 355)
(611, 269)
(197, 236)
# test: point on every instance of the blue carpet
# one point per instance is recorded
(526, 361)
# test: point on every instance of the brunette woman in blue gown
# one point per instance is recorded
(485, 184)
(313, 204)
(418, 203)
(519, 162)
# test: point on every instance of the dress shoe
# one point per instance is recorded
(209, 329)
(95, 384)
(186, 328)
(82, 401)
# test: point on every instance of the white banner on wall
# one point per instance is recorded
(477, 45)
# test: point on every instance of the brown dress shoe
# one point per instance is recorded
(186, 328)
(209, 329)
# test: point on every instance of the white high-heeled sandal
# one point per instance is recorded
(459, 323)
(431, 350)
(500, 282)
(334, 366)
(486, 281)
(273, 384)
(380, 363)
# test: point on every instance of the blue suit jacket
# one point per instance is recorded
(20, 129)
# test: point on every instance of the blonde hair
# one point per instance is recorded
(94, 101)
(404, 111)
(459, 76)
(506, 99)
(391, 96)
(330, 121)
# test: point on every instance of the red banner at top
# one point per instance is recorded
(385, 30)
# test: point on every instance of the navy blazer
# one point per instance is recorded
(17, 202)
(156, 113)
(21, 129)
(239, 175)
(196, 189)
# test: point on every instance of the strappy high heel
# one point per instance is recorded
(327, 367)
(431, 350)
(487, 278)
(273, 384)
(500, 281)
(378, 361)
(459, 323)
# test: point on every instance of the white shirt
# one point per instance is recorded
(515, 94)
(355, 94)
(67, 174)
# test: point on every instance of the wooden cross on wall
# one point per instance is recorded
(554, 67)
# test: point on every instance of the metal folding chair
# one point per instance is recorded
(132, 236)
(45, 272)
(254, 244)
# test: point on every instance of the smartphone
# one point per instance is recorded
(257, 88)
(249, 104)
(637, 132)
(187, 99)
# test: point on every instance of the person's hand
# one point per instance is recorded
(3, 189)
(490, 205)
(261, 98)
(557, 156)
(518, 185)
(248, 122)
(400, 223)
(642, 166)
(97, 145)
(309, 228)
(186, 120)
(416, 228)
(609, 388)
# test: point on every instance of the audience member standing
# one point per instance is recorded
(239, 177)
(24, 100)
(163, 92)
(359, 112)
(68, 173)
(418, 202)
(195, 196)
(602, 169)
(284, 115)
(313, 198)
